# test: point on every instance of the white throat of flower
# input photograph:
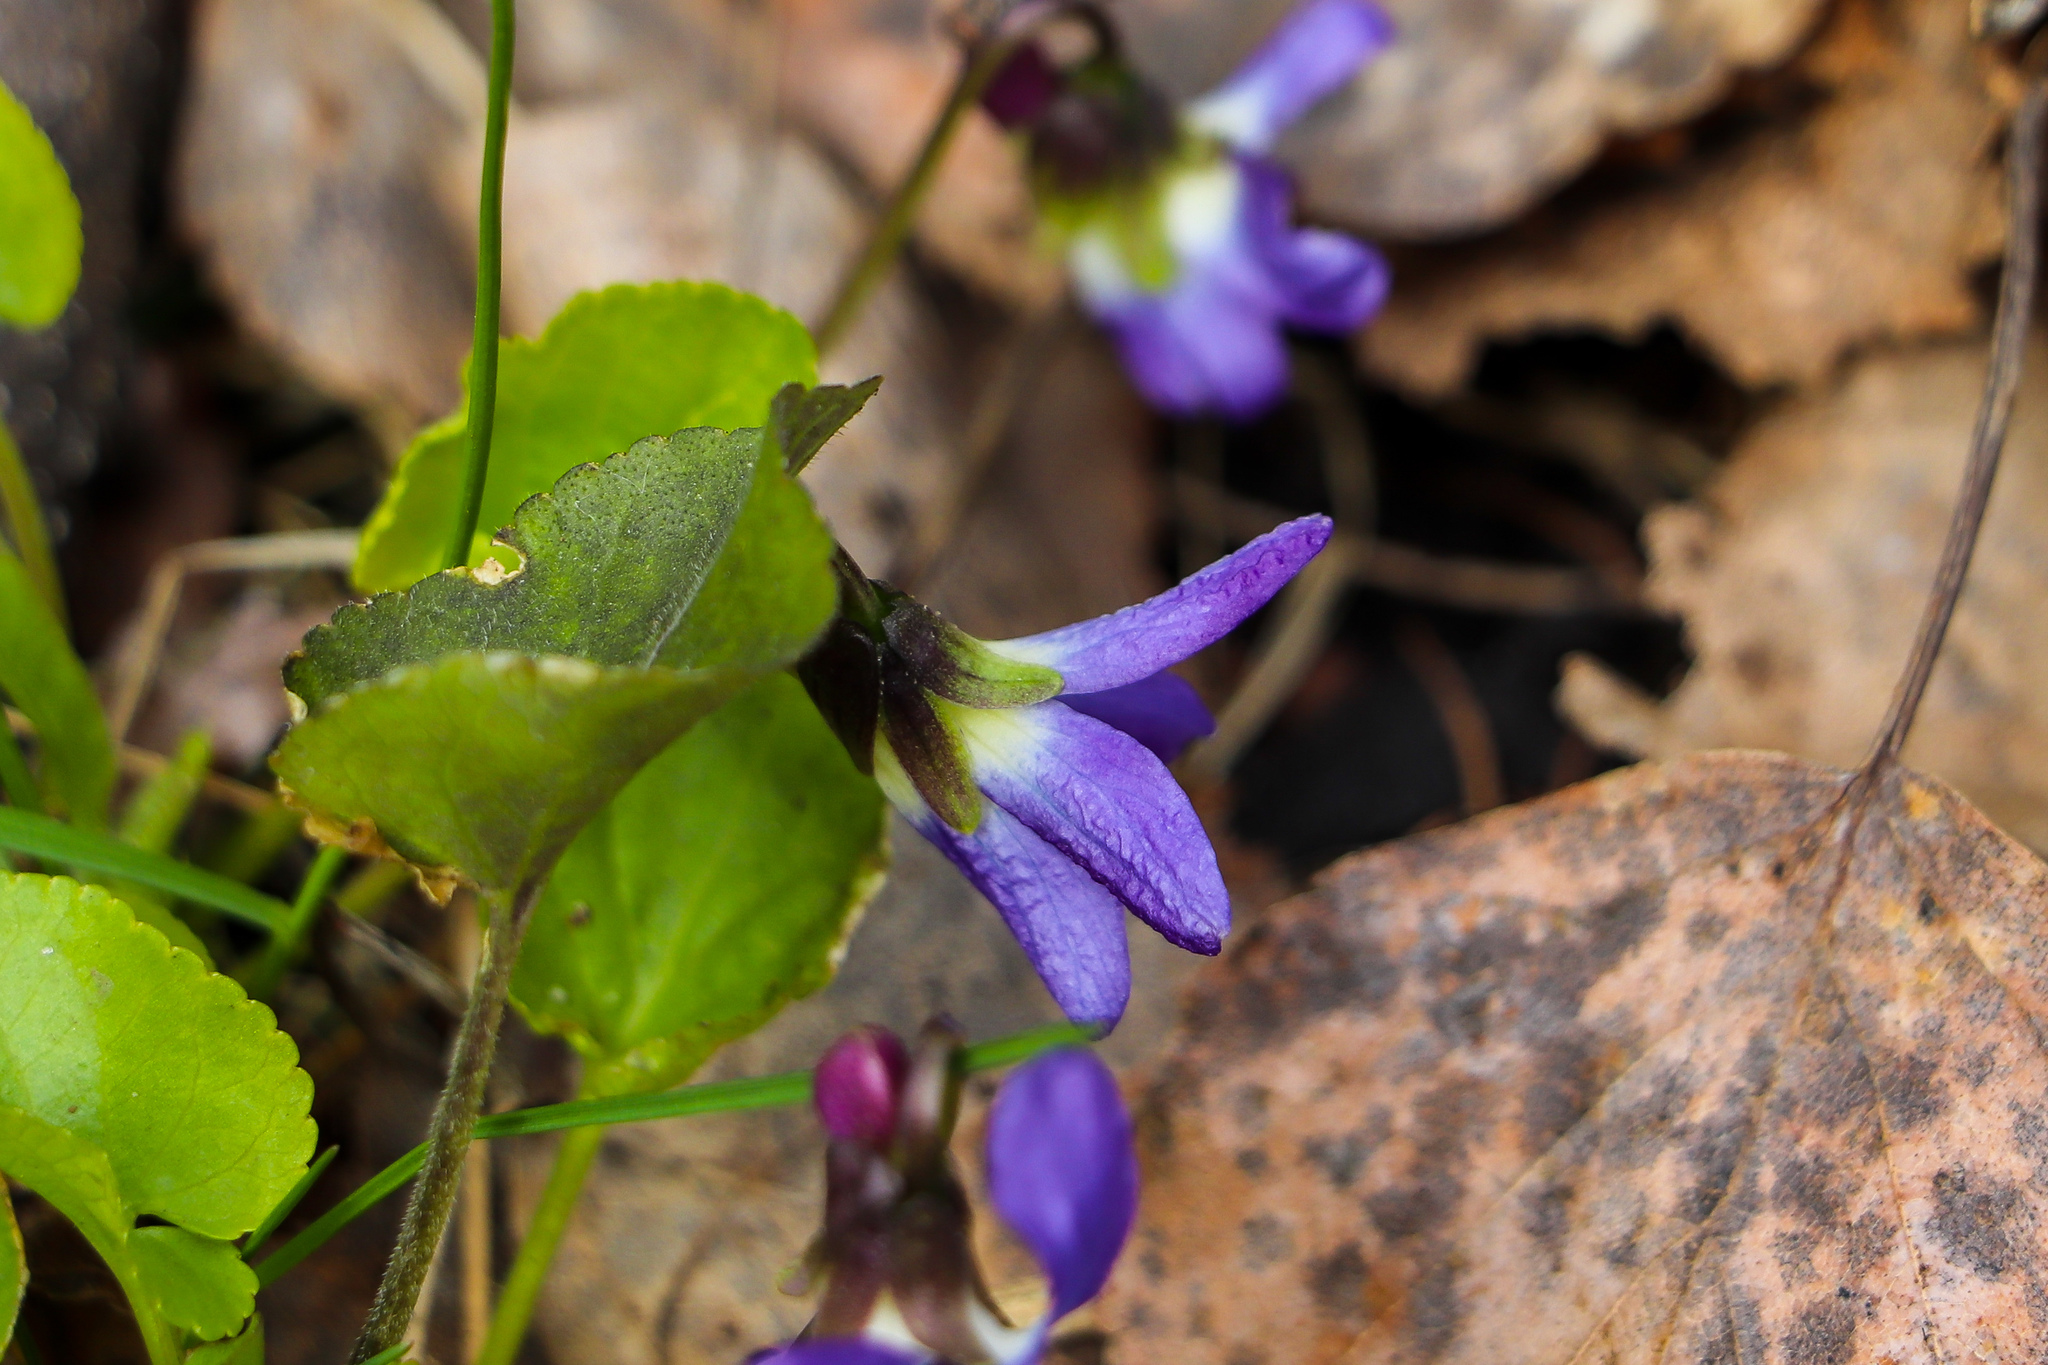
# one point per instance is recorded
(1198, 207)
(1003, 1343)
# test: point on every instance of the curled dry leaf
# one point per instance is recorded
(305, 174)
(1800, 578)
(1481, 106)
(1677, 1065)
(1853, 210)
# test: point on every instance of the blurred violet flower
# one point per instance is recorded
(1178, 226)
(1038, 765)
(901, 1283)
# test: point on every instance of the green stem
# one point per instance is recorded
(25, 525)
(709, 1097)
(521, 1290)
(483, 350)
(15, 778)
(449, 1133)
(290, 939)
(887, 239)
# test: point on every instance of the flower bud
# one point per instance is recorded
(858, 1085)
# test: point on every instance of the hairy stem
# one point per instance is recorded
(483, 351)
(2001, 385)
(894, 225)
(521, 1290)
(454, 1122)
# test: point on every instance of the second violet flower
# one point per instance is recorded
(1178, 225)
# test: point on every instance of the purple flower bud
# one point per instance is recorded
(1023, 87)
(859, 1083)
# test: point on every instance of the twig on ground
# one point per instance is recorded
(1306, 611)
(135, 662)
(146, 763)
(1474, 584)
(1467, 728)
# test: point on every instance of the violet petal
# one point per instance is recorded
(1162, 712)
(1316, 50)
(835, 1351)
(1320, 281)
(1130, 645)
(1070, 928)
(1062, 1170)
(1202, 346)
(1108, 803)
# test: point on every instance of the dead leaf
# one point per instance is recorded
(1800, 579)
(305, 174)
(1676, 1065)
(1481, 107)
(1858, 219)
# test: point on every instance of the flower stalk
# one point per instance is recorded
(982, 63)
(490, 235)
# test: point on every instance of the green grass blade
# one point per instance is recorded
(710, 1097)
(39, 836)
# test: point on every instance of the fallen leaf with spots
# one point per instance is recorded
(1703, 1061)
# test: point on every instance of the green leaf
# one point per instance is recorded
(801, 420)
(614, 366)
(245, 1349)
(175, 1090)
(650, 589)
(73, 1175)
(484, 765)
(198, 1283)
(40, 237)
(43, 677)
(41, 837)
(719, 885)
(13, 1268)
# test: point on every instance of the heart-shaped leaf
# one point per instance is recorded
(624, 362)
(716, 887)
(41, 675)
(133, 1081)
(40, 239)
(200, 1284)
(245, 1349)
(649, 590)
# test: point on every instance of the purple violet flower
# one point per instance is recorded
(1038, 765)
(1178, 227)
(901, 1283)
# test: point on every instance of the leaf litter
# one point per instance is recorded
(1729, 1058)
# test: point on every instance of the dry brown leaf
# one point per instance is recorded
(1647, 1070)
(1814, 233)
(1481, 106)
(1800, 577)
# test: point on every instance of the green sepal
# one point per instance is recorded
(923, 746)
(950, 663)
